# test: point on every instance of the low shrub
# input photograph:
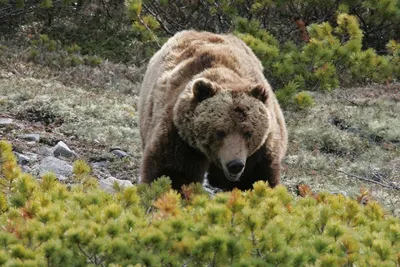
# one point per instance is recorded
(331, 57)
(48, 52)
(304, 100)
(45, 222)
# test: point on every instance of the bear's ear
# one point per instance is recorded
(260, 92)
(202, 89)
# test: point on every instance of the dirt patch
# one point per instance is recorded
(43, 115)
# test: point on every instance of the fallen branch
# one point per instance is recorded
(345, 97)
(370, 180)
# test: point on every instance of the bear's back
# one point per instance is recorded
(185, 55)
(190, 52)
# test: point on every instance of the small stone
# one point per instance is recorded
(6, 121)
(108, 184)
(30, 137)
(100, 164)
(120, 153)
(61, 168)
(210, 189)
(31, 143)
(22, 159)
(61, 149)
(25, 157)
(340, 192)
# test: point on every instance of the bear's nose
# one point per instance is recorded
(235, 166)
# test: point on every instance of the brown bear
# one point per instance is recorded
(205, 106)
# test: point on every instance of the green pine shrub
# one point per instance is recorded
(284, 19)
(304, 100)
(46, 223)
(332, 56)
(48, 52)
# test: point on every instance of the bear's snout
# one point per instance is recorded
(235, 166)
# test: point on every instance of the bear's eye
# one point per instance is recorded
(247, 135)
(220, 134)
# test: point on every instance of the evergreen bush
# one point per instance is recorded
(48, 52)
(46, 223)
(285, 19)
(331, 57)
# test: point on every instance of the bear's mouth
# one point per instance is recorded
(233, 177)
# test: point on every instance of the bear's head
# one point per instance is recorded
(226, 122)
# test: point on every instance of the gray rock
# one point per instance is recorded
(210, 189)
(61, 168)
(26, 169)
(26, 157)
(61, 149)
(340, 192)
(101, 173)
(30, 137)
(6, 121)
(32, 156)
(31, 143)
(22, 159)
(120, 153)
(108, 184)
(44, 151)
(100, 164)
(99, 169)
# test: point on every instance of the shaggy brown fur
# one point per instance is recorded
(205, 106)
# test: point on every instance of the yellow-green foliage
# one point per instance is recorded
(304, 100)
(331, 56)
(46, 224)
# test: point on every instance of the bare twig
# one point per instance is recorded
(253, 239)
(345, 97)
(105, 7)
(151, 32)
(186, 262)
(370, 180)
(162, 24)
(94, 261)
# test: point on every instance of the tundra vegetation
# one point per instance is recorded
(71, 70)
(46, 223)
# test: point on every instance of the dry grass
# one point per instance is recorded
(353, 132)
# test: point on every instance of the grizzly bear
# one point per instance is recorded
(206, 107)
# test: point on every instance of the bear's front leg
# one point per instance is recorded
(268, 171)
(151, 166)
(181, 163)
